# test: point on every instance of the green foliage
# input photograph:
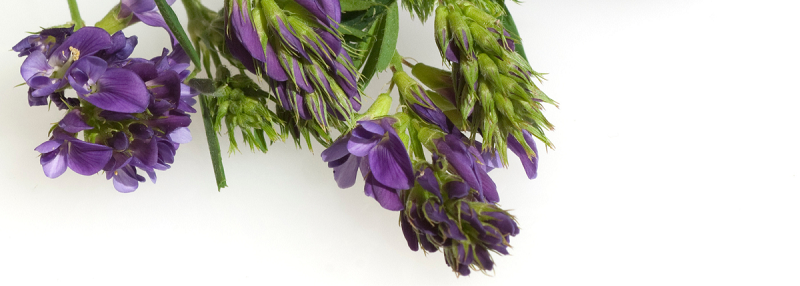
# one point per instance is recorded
(422, 8)
(370, 30)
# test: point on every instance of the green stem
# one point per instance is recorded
(76, 14)
(211, 136)
(213, 144)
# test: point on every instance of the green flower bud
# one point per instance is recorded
(427, 135)
(460, 32)
(432, 77)
(467, 102)
(379, 108)
(272, 13)
(479, 16)
(505, 106)
(486, 41)
(489, 113)
(488, 69)
(469, 70)
(440, 29)
(410, 90)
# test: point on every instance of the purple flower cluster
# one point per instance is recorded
(132, 111)
(304, 64)
(452, 217)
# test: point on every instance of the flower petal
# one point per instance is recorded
(85, 72)
(87, 40)
(126, 179)
(145, 150)
(87, 158)
(529, 163)
(390, 164)
(456, 189)
(428, 181)
(34, 64)
(180, 135)
(408, 232)
(73, 122)
(385, 196)
(49, 146)
(345, 174)
(120, 90)
(54, 163)
(337, 150)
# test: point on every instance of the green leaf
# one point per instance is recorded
(202, 85)
(356, 5)
(383, 48)
(508, 23)
(347, 30)
(213, 144)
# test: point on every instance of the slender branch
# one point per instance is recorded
(76, 14)
(213, 144)
(211, 136)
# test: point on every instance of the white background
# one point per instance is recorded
(676, 164)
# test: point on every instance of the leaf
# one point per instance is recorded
(202, 85)
(508, 23)
(356, 5)
(383, 48)
(347, 30)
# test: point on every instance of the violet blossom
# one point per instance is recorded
(375, 148)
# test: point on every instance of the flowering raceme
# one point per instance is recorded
(131, 111)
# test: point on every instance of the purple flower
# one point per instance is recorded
(529, 162)
(117, 90)
(375, 148)
(145, 11)
(46, 74)
(64, 150)
(468, 163)
(44, 42)
(327, 12)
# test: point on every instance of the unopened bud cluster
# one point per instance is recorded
(295, 46)
(493, 88)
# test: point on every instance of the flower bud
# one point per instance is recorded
(488, 69)
(379, 108)
(485, 40)
(441, 34)
(469, 70)
(479, 16)
(460, 32)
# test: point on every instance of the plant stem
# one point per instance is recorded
(213, 144)
(211, 136)
(76, 14)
